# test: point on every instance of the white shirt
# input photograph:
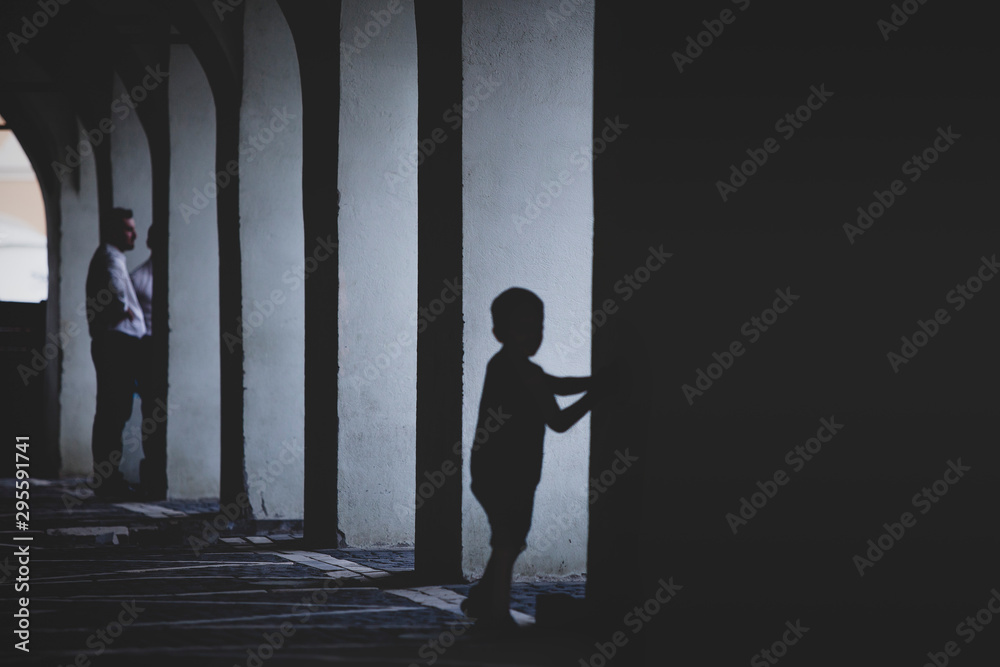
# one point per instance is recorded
(142, 281)
(110, 292)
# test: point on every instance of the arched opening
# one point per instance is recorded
(24, 275)
(24, 293)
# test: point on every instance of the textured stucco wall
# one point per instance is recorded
(131, 171)
(131, 177)
(193, 403)
(528, 222)
(78, 384)
(378, 272)
(132, 182)
(272, 242)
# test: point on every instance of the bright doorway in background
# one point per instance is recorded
(24, 264)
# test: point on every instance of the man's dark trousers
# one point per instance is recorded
(114, 355)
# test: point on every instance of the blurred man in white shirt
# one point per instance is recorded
(116, 324)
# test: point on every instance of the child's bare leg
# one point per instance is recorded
(501, 569)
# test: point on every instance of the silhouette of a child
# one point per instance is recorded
(517, 404)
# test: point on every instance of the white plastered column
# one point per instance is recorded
(378, 272)
(528, 222)
(273, 268)
(193, 401)
(78, 383)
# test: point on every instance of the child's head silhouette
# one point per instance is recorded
(517, 320)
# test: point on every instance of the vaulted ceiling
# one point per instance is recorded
(59, 59)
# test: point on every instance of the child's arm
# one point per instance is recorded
(567, 386)
(603, 381)
(557, 419)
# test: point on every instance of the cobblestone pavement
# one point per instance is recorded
(121, 584)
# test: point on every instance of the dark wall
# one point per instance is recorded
(24, 358)
(826, 357)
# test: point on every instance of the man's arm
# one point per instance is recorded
(567, 386)
(119, 311)
(114, 282)
(105, 299)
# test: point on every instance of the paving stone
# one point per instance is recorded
(214, 604)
